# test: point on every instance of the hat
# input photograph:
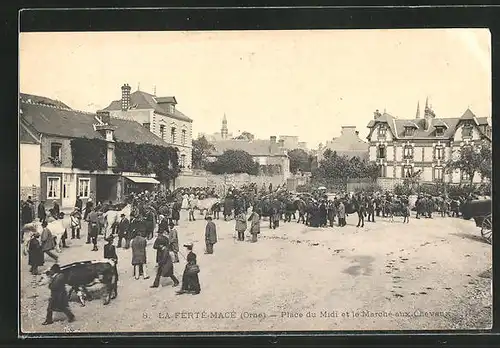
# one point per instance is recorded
(208, 217)
(162, 216)
(36, 234)
(109, 238)
(188, 245)
(171, 223)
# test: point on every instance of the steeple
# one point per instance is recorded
(418, 110)
(224, 130)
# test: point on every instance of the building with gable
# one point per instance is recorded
(347, 144)
(46, 131)
(160, 116)
(264, 152)
(403, 146)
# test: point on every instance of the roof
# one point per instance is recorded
(348, 141)
(254, 147)
(26, 137)
(143, 100)
(42, 100)
(397, 126)
(71, 123)
(165, 100)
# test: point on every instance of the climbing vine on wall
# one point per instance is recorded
(89, 154)
(147, 159)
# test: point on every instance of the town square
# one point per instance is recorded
(256, 188)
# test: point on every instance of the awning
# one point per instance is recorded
(143, 179)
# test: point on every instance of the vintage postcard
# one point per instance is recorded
(255, 180)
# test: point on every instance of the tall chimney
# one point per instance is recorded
(125, 97)
(282, 142)
(104, 116)
(272, 139)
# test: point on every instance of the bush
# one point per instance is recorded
(402, 189)
(369, 189)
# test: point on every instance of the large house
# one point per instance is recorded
(402, 147)
(160, 116)
(264, 152)
(46, 131)
(347, 144)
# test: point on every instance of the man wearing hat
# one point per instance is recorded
(210, 235)
(160, 240)
(76, 217)
(165, 265)
(109, 249)
(58, 296)
(174, 241)
(35, 253)
(123, 231)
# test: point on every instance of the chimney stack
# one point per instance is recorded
(282, 142)
(125, 97)
(104, 116)
(272, 139)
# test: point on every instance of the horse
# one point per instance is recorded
(112, 218)
(56, 227)
(205, 205)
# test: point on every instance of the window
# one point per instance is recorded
(382, 171)
(408, 152)
(84, 187)
(439, 131)
(464, 176)
(439, 153)
(172, 134)
(467, 131)
(382, 130)
(381, 151)
(55, 150)
(162, 132)
(171, 108)
(409, 131)
(183, 161)
(438, 174)
(183, 137)
(53, 187)
(147, 126)
(407, 171)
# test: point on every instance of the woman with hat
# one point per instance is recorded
(190, 280)
(35, 253)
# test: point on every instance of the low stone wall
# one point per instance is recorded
(388, 183)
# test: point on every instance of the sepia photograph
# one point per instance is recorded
(249, 181)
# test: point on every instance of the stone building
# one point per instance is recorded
(160, 116)
(347, 144)
(403, 146)
(46, 131)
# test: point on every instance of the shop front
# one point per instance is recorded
(137, 184)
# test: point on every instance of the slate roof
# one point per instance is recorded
(165, 100)
(397, 126)
(348, 142)
(143, 100)
(25, 137)
(259, 148)
(42, 100)
(71, 123)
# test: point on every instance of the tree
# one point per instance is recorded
(371, 170)
(245, 136)
(299, 160)
(201, 150)
(234, 161)
(472, 160)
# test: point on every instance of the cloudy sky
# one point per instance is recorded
(305, 83)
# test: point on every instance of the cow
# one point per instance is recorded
(82, 274)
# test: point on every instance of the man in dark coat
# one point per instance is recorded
(27, 213)
(93, 228)
(331, 212)
(165, 265)
(79, 203)
(370, 209)
(162, 239)
(58, 296)
(361, 210)
(88, 208)
(322, 214)
(163, 224)
(35, 254)
(55, 210)
(210, 235)
(190, 280)
(42, 214)
(123, 231)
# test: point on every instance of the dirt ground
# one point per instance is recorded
(425, 275)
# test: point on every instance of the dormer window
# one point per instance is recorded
(467, 131)
(408, 152)
(55, 150)
(409, 131)
(439, 131)
(171, 108)
(382, 130)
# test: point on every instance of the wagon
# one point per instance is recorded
(480, 211)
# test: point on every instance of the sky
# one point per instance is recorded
(304, 83)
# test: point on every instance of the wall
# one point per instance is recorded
(65, 151)
(29, 158)
(388, 183)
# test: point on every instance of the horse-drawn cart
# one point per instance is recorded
(480, 211)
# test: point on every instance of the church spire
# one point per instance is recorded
(224, 130)
(418, 110)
